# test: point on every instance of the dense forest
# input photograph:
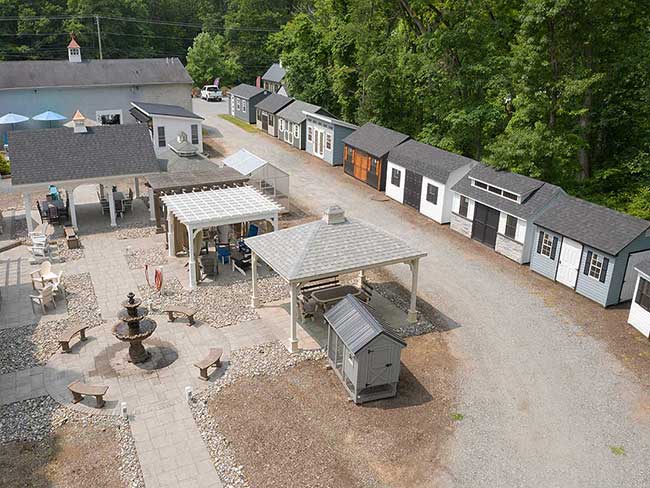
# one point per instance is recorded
(555, 89)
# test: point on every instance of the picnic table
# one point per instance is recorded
(327, 297)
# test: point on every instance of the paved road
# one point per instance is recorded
(543, 403)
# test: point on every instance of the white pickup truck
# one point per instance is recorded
(210, 93)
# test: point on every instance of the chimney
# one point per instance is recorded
(74, 50)
(334, 215)
(79, 122)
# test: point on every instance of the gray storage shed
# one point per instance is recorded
(292, 125)
(325, 137)
(363, 352)
(243, 100)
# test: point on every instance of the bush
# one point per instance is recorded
(5, 167)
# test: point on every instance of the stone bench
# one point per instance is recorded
(212, 359)
(176, 309)
(80, 389)
(66, 336)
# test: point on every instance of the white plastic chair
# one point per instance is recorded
(57, 284)
(44, 298)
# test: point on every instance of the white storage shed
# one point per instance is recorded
(639, 316)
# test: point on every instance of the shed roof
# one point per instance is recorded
(330, 120)
(594, 225)
(244, 161)
(246, 91)
(166, 110)
(320, 249)
(189, 172)
(375, 139)
(274, 103)
(294, 111)
(513, 182)
(427, 160)
(60, 154)
(644, 267)
(92, 72)
(275, 73)
(356, 325)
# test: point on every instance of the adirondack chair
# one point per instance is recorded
(44, 298)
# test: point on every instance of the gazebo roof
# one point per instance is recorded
(244, 161)
(220, 207)
(333, 245)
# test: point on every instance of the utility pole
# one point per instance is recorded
(99, 37)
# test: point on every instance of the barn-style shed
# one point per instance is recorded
(362, 351)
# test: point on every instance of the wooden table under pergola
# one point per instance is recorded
(327, 248)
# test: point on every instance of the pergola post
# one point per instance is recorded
(152, 206)
(171, 241)
(73, 209)
(111, 208)
(274, 222)
(136, 186)
(27, 201)
(192, 264)
(255, 301)
(413, 313)
(293, 338)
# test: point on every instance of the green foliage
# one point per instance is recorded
(239, 123)
(5, 167)
(617, 450)
(207, 59)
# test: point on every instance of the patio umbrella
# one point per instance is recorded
(49, 116)
(11, 119)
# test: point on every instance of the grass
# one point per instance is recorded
(239, 123)
(457, 416)
(618, 450)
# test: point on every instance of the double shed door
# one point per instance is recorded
(485, 224)
(412, 189)
(361, 163)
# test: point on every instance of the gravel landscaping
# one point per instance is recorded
(44, 444)
(134, 230)
(82, 302)
(153, 256)
(66, 254)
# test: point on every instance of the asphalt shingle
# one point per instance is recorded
(375, 139)
(294, 111)
(427, 160)
(275, 73)
(274, 103)
(246, 91)
(163, 109)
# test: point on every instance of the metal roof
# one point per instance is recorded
(244, 161)
(320, 249)
(274, 103)
(294, 111)
(427, 160)
(60, 154)
(166, 110)
(513, 182)
(375, 139)
(222, 206)
(355, 324)
(275, 73)
(644, 267)
(247, 91)
(92, 72)
(594, 225)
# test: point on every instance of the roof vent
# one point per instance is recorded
(334, 215)
(79, 122)
(74, 50)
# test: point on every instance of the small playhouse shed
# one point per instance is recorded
(362, 351)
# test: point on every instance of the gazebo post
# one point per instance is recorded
(171, 242)
(255, 301)
(413, 313)
(111, 208)
(293, 338)
(73, 209)
(274, 222)
(192, 264)
(362, 275)
(136, 185)
(152, 207)
(27, 201)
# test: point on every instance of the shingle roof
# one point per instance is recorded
(427, 160)
(644, 267)
(375, 139)
(530, 207)
(594, 225)
(330, 120)
(246, 91)
(191, 171)
(355, 324)
(319, 249)
(93, 72)
(55, 155)
(274, 103)
(274, 74)
(163, 109)
(513, 182)
(294, 111)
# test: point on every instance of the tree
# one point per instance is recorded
(207, 60)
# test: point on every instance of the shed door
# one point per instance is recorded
(265, 121)
(361, 163)
(485, 224)
(567, 268)
(630, 274)
(412, 189)
(379, 366)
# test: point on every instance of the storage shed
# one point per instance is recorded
(363, 352)
(325, 136)
(243, 99)
(421, 176)
(267, 111)
(590, 248)
(273, 78)
(639, 316)
(365, 153)
(292, 126)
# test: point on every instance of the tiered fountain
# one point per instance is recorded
(134, 328)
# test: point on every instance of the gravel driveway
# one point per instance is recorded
(544, 404)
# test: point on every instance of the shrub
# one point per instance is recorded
(5, 167)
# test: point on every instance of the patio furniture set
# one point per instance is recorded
(123, 204)
(48, 284)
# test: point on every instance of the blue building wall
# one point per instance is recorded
(591, 287)
(248, 115)
(641, 243)
(541, 264)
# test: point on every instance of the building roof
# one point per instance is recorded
(274, 103)
(330, 120)
(594, 225)
(166, 110)
(191, 172)
(247, 91)
(320, 249)
(644, 267)
(221, 206)
(92, 72)
(245, 162)
(73, 44)
(275, 73)
(60, 154)
(294, 111)
(513, 182)
(427, 160)
(355, 324)
(375, 139)
(529, 208)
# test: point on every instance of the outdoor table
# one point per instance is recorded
(118, 196)
(329, 296)
(59, 204)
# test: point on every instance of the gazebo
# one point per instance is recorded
(212, 208)
(326, 248)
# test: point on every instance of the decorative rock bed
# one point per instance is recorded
(135, 230)
(153, 256)
(66, 254)
(264, 360)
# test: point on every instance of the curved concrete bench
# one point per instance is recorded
(80, 389)
(177, 309)
(66, 336)
(212, 359)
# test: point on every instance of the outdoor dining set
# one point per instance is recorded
(48, 284)
(123, 203)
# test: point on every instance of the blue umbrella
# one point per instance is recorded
(12, 119)
(49, 116)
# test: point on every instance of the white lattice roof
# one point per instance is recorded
(220, 207)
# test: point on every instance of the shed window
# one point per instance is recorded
(643, 294)
(395, 177)
(271, 120)
(195, 133)
(547, 244)
(259, 115)
(244, 105)
(463, 208)
(161, 137)
(296, 130)
(281, 124)
(510, 196)
(238, 104)
(328, 142)
(432, 193)
(596, 266)
(310, 133)
(373, 166)
(511, 226)
(480, 184)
